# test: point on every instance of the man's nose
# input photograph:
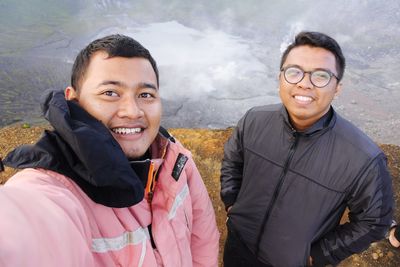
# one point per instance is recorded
(130, 108)
(306, 82)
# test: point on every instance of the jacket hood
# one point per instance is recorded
(82, 148)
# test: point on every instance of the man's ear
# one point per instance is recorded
(70, 93)
(338, 89)
(279, 81)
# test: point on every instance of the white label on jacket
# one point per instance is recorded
(180, 197)
(101, 245)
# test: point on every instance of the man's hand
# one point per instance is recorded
(310, 263)
(227, 211)
(392, 239)
(1, 166)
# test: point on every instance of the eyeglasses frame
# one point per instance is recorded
(330, 73)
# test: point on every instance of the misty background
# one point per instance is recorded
(216, 58)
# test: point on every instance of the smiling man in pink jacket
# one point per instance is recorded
(108, 186)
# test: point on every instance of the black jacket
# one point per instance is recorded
(289, 189)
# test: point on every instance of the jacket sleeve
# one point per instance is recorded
(370, 206)
(205, 235)
(41, 224)
(232, 166)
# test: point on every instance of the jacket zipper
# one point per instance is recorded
(277, 190)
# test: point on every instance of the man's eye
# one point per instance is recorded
(321, 75)
(293, 72)
(110, 93)
(145, 95)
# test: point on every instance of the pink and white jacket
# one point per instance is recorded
(47, 220)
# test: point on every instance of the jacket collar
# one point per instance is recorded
(325, 122)
(82, 148)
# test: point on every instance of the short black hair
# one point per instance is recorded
(116, 45)
(317, 39)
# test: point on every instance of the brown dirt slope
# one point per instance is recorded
(207, 149)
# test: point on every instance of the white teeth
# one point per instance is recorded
(303, 98)
(126, 130)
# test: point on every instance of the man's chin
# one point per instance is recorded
(134, 154)
(134, 149)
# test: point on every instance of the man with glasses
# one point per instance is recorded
(290, 171)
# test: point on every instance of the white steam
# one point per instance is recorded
(197, 63)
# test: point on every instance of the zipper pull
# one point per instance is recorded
(150, 182)
(150, 197)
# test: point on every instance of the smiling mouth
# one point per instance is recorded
(125, 131)
(301, 98)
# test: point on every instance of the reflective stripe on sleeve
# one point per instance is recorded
(180, 197)
(141, 259)
(101, 245)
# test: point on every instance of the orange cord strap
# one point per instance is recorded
(150, 179)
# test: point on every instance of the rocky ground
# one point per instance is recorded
(207, 148)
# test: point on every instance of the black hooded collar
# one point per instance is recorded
(82, 148)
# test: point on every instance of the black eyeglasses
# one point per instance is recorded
(319, 77)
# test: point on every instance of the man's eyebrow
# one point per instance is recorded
(118, 83)
(148, 85)
(291, 65)
(111, 82)
(315, 69)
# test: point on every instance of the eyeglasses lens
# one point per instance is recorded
(320, 78)
(293, 75)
